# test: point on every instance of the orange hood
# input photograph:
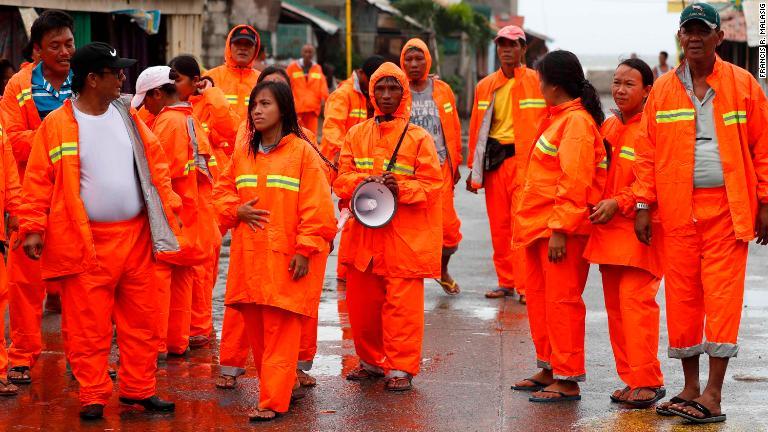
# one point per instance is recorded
(416, 43)
(389, 69)
(228, 52)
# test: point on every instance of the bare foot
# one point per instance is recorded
(543, 376)
(641, 394)
(687, 394)
(709, 401)
(262, 415)
(621, 394)
(552, 391)
(305, 379)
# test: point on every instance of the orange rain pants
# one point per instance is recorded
(122, 288)
(3, 304)
(451, 222)
(26, 294)
(274, 336)
(499, 202)
(174, 297)
(387, 319)
(234, 345)
(705, 279)
(203, 284)
(556, 311)
(309, 120)
(633, 323)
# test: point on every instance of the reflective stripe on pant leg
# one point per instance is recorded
(566, 311)
(403, 324)
(499, 186)
(365, 298)
(234, 344)
(536, 305)
(26, 293)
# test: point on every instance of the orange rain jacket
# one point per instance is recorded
(219, 121)
(51, 194)
(290, 183)
(566, 175)
(446, 104)
(410, 245)
(615, 242)
(19, 116)
(667, 140)
(346, 107)
(528, 110)
(191, 178)
(309, 92)
(236, 82)
(147, 117)
(10, 188)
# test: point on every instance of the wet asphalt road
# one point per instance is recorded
(474, 349)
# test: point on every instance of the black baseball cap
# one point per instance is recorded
(97, 56)
(244, 33)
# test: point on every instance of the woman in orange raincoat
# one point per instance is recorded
(275, 197)
(565, 178)
(631, 271)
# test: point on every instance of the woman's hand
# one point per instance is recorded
(556, 247)
(604, 211)
(299, 266)
(255, 218)
(469, 185)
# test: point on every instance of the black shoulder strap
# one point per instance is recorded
(393, 159)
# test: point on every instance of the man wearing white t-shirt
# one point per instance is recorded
(97, 204)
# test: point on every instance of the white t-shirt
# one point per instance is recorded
(109, 185)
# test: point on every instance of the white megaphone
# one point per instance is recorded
(373, 204)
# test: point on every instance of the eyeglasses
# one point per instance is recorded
(118, 73)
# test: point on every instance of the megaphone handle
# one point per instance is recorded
(397, 148)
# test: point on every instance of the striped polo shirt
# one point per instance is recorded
(45, 96)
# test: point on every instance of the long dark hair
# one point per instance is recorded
(642, 67)
(272, 70)
(563, 69)
(186, 65)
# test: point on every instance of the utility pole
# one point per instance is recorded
(349, 37)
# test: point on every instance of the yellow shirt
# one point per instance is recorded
(503, 125)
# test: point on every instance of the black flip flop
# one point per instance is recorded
(659, 394)
(665, 411)
(563, 397)
(614, 399)
(24, 370)
(534, 388)
(708, 417)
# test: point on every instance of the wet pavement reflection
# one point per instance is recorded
(474, 349)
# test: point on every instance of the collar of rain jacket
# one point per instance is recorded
(228, 51)
(565, 106)
(420, 45)
(389, 69)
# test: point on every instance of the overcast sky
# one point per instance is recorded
(603, 26)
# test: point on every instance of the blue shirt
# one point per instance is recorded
(44, 95)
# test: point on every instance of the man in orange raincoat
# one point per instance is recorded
(433, 107)
(702, 166)
(31, 94)
(507, 110)
(347, 106)
(237, 77)
(188, 151)
(114, 206)
(310, 89)
(386, 269)
(10, 199)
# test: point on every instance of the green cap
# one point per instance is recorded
(703, 12)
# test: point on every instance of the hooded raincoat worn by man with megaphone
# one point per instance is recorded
(386, 271)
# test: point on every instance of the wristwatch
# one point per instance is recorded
(642, 206)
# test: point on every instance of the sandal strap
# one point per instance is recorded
(704, 410)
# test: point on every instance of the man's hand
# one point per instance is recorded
(299, 266)
(255, 218)
(469, 185)
(391, 183)
(761, 226)
(643, 226)
(604, 211)
(556, 247)
(33, 246)
(456, 176)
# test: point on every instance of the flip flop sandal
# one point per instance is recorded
(24, 379)
(305, 379)
(666, 411)
(7, 388)
(708, 417)
(256, 418)
(362, 374)
(659, 394)
(199, 341)
(390, 385)
(563, 397)
(450, 288)
(227, 383)
(537, 386)
(614, 399)
(500, 293)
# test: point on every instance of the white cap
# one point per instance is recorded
(151, 78)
